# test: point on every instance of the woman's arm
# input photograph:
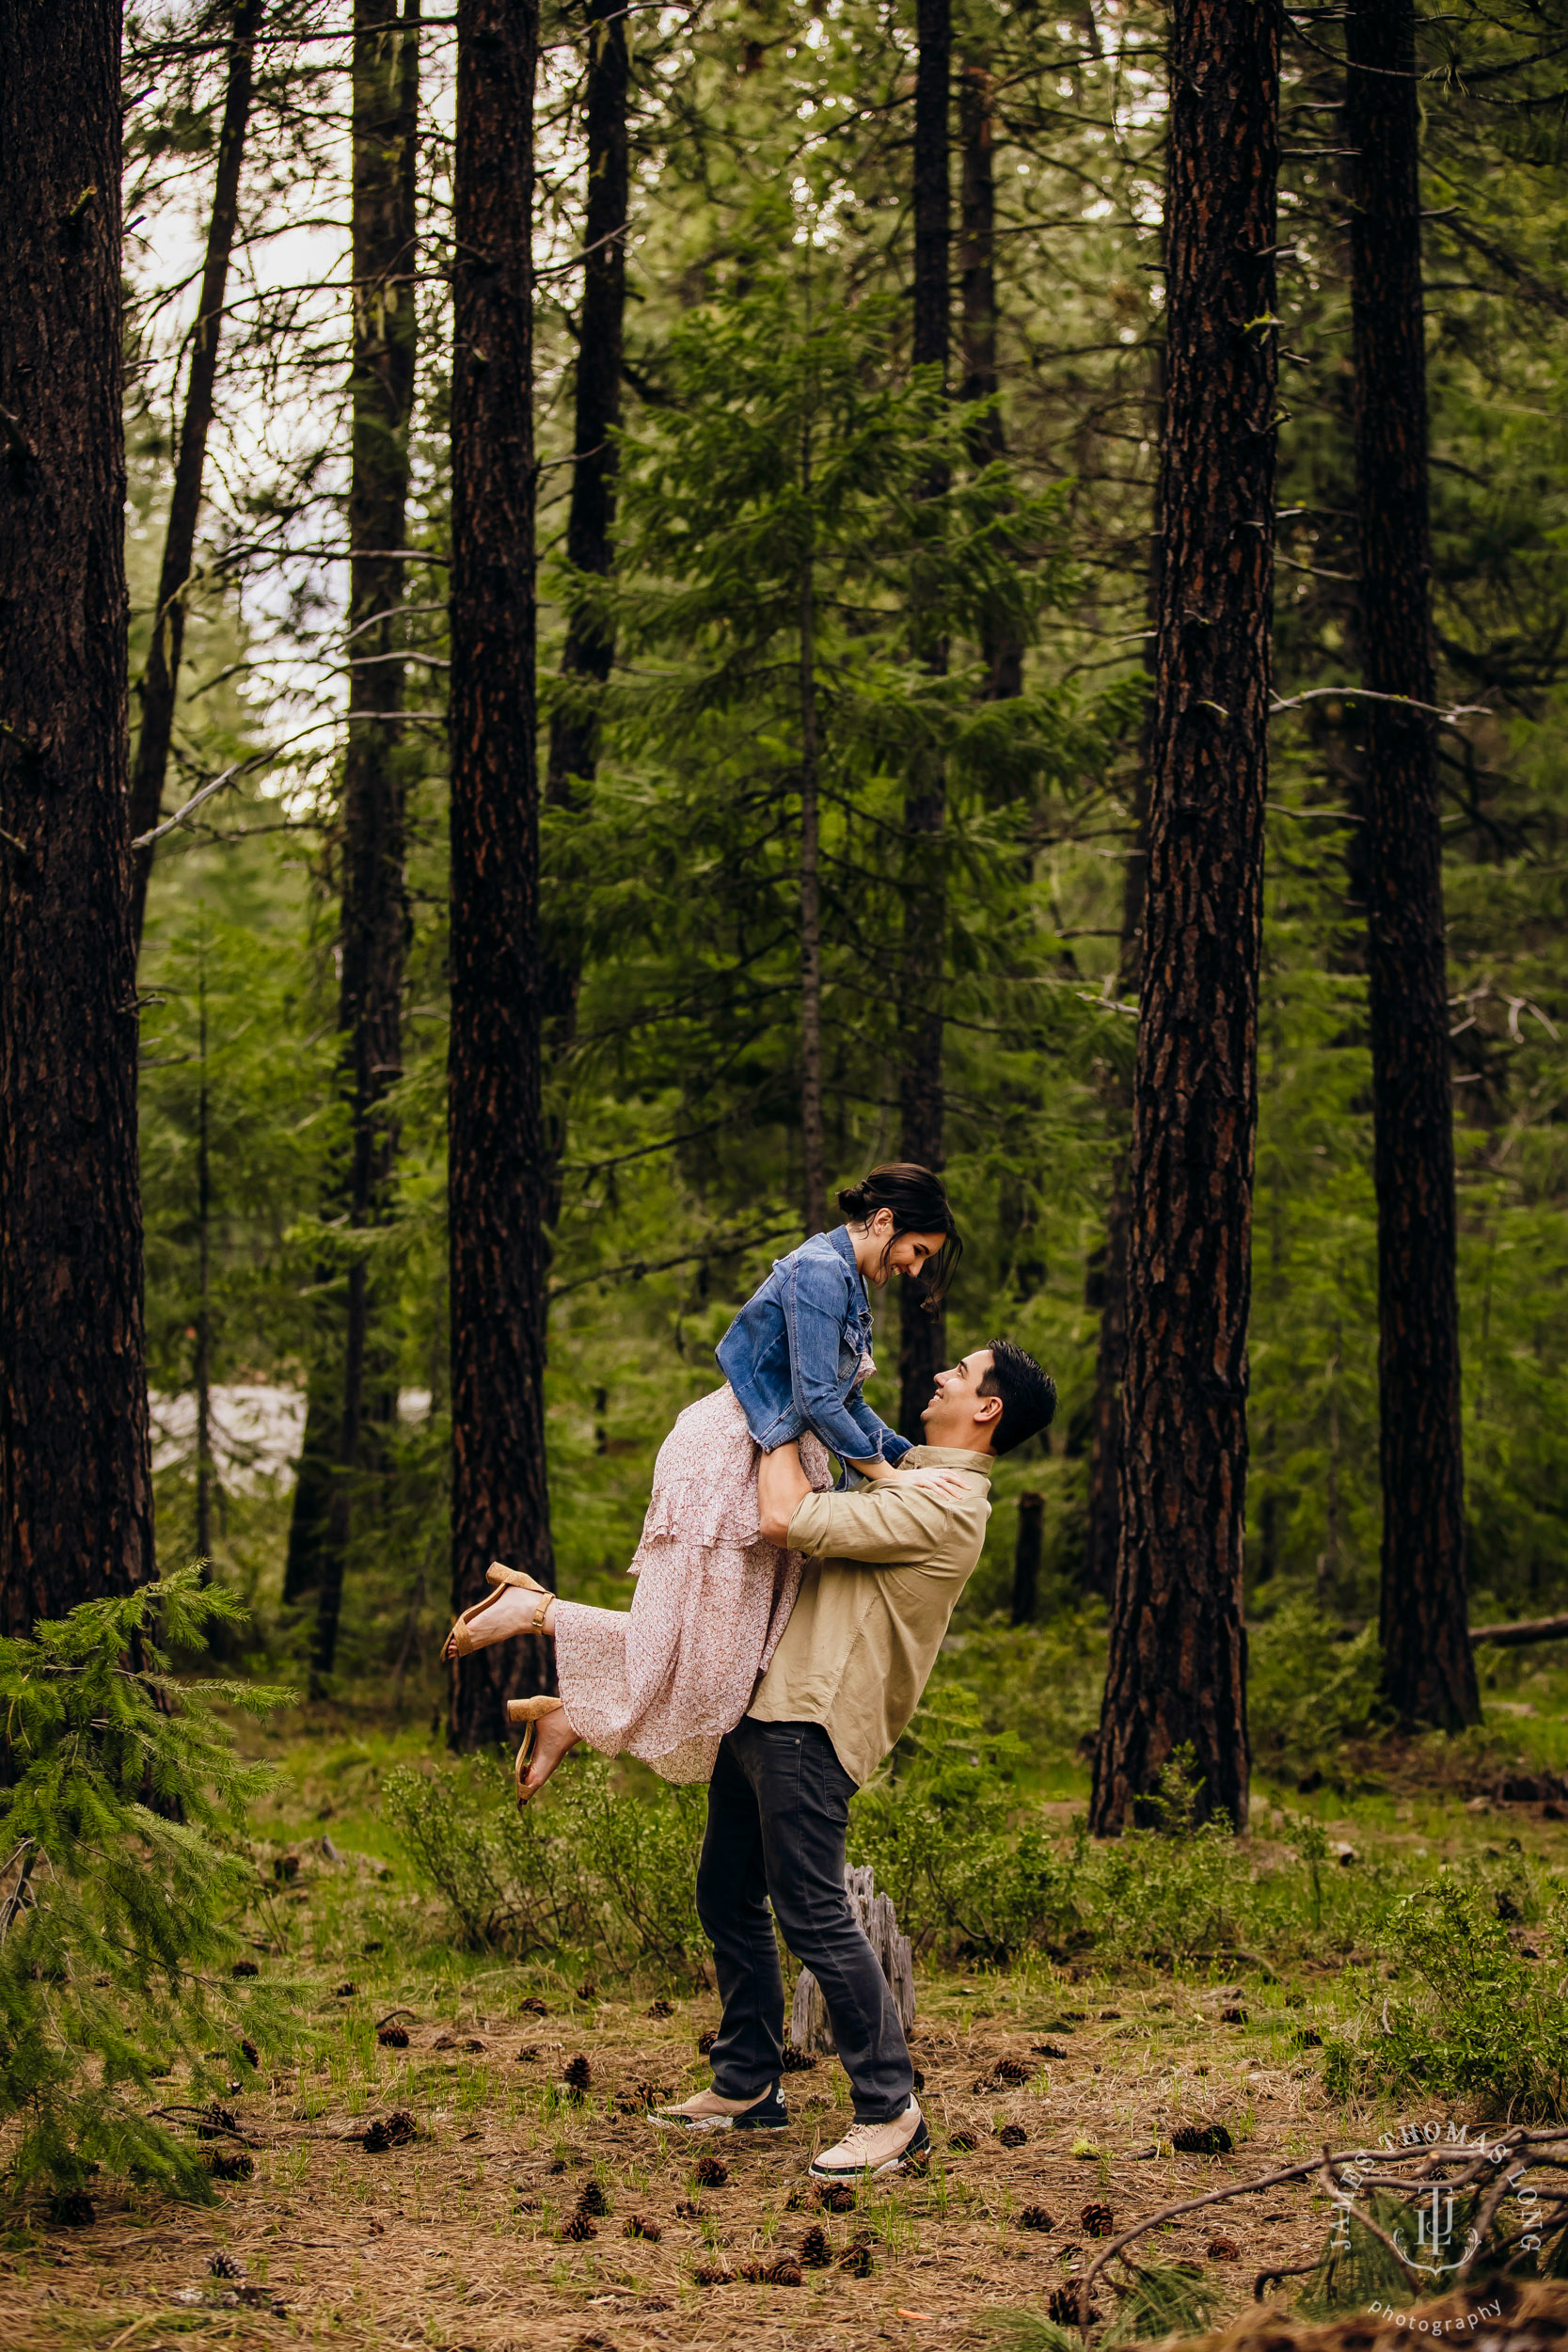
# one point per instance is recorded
(815, 1300)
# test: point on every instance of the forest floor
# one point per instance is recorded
(456, 2238)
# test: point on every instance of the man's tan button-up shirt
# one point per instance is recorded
(886, 1564)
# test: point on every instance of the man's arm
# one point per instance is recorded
(896, 1523)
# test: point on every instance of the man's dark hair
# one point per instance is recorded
(1028, 1395)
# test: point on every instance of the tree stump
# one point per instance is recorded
(809, 2028)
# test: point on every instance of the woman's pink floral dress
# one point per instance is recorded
(665, 1680)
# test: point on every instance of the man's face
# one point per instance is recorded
(957, 1414)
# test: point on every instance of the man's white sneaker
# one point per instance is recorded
(706, 2111)
(868, 2150)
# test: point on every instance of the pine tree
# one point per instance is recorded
(1174, 1672)
(1431, 1674)
(160, 684)
(75, 1484)
(121, 1803)
(497, 1163)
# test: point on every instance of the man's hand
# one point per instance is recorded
(781, 1485)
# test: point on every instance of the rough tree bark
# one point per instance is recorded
(75, 1478)
(497, 1146)
(1004, 653)
(160, 683)
(1429, 1671)
(589, 652)
(372, 930)
(923, 1336)
(814, 1152)
(1175, 1669)
(1105, 1285)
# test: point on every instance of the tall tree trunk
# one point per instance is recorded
(160, 684)
(814, 1152)
(1429, 1670)
(1003, 652)
(1177, 1667)
(590, 649)
(923, 1335)
(75, 1476)
(203, 1366)
(497, 1146)
(386, 71)
(1106, 1285)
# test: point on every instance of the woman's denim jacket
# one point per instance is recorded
(793, 1354)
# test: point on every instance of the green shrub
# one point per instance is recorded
(119, 1818)
(594, 1864)
(1483, 2022)
(945, 1838)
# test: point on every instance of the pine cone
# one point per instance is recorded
(400, 2131)
(816, 2252)
(857, 2261)
(557, 2164)
(797, 2061)
(1097, 2221)
(1012, 2070)
(72, 2209)
(660, 2008)
(1048, 2049)
(836, 2197)
(712, 2274)
(706, 2041)
(216, 2120)
(1202, 2139)
(223, 2265)
(392, 2036)
(580, 2227)
(1223, 2249)
(687, 2211)
(637, 2225)
(375, 2140)
(579, 2074)
(1310, 2039)
(1233, 2016)
(587, 1989)
(592, 2200)
(1013, 2136)
(709, 2173)
(780, 2272)
(531, 2005)
(346, 1990)
(962, 2143)
(244, 1968)
(919, 2078)
(527, 2055)
(250, 2054)
(1063, 2305)
(802, 2197)
(224, 2167)
(1035, 2217)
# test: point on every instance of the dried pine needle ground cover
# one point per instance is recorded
(491, 2182)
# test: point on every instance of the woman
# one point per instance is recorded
(665, 1680)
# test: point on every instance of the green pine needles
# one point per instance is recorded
(121, 1874)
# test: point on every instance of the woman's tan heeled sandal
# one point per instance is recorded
(530, 1713)
(460, 1642)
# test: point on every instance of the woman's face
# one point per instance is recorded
(910, 1253)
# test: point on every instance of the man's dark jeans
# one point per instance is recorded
(778, 1811)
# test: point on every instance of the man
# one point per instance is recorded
(888, 1564)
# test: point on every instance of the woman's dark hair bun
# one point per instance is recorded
(919, 1204)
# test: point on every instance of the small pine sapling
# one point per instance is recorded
(121, 1817)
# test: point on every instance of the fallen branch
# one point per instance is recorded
(1523, 1629)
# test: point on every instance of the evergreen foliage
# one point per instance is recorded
(121, 1810)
